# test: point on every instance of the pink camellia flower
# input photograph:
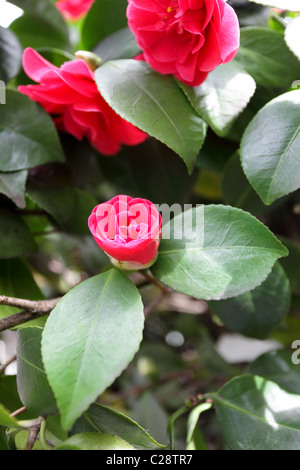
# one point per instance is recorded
(74, 9)
(128, 230)
(70, 95)
(185, 38)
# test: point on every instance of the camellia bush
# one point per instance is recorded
(149, 209)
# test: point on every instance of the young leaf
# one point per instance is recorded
(154, 103)
(216, 252)
(256, 414)
(258, 312)
(95, 329)
(28, 136)
(222, 97)
(270, 148)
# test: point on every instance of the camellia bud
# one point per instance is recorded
(91, 59)
(128, 230)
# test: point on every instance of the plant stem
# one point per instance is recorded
(3, 366)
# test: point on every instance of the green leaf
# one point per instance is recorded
(153, 103)
(292, 5)
(194, 440)
(237, 190)
(15, 237)
(33, 386)
(102, 20)
(13, 186)
(256, 414)
(270, 148)
(106, 420)
(10, 55)
(49, 186)
(264, 55)
(292, 36)
(17, 281)
(119, 45)
(278, 367)
(94, 441)
(258, 312)
(222, 97)
(28, 136)
(41, 25)
(96, 329)
(5, 418)
(215, 252)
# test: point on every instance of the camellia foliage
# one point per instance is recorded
(149, 209)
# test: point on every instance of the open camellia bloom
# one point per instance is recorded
(185, 38)
(74, 9)
(71, 96)
(128, 230)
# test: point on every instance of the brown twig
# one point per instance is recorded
(151, 306)
(33, 434)
(147, 274)
(18, 412)
(10, 361)
(31, 309)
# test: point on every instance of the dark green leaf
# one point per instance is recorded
(103, 19)
(278, 367)
(41, 25)
(258, 312)
(215, 252)
(106, 420)
(264, 55)
(153, 103)
(33, 386)
(15, 237)
(96, 329)
(291, 263)
(222, 97)
(28, 136)
(17, 281)
(270, 148)
(13, 186)
(10, 55)
(256, 414)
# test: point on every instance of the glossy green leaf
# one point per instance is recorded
(96, 329)
(256, 414)
(270, 148)
(292, 36)
(15, 237)
(99, 418)
(16, 280)
(279, 367)
(103, 19)
(13, 186)
(28, 136)
(10, 55)
(33, 386)
(264, 55)
(215, 252)
(119, 45)
(258, 312)
(222, 97)
(153, 103)
(292, 5)
(41, 25)
(94, 441)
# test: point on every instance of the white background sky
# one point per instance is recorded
(8, 13)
